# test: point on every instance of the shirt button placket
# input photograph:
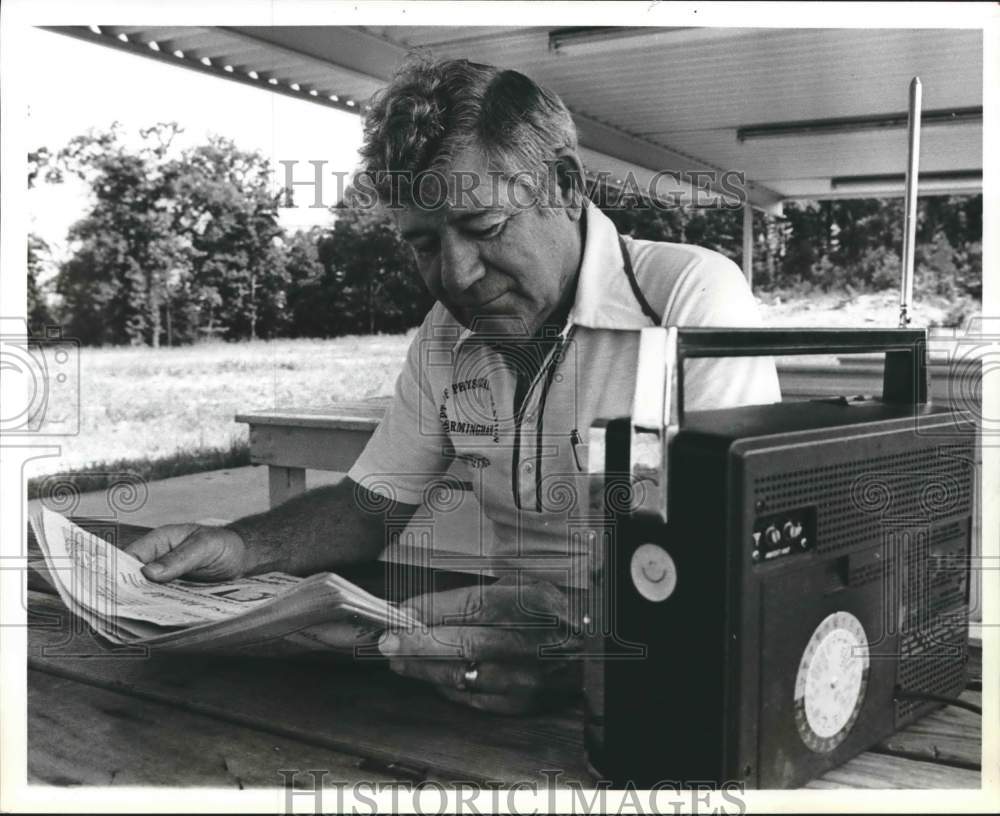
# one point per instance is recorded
(529, 451)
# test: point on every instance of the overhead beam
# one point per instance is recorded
(946, 177)
(653, 158)
(887, 185)
(586, 40)
(877, 187)
(855, 124)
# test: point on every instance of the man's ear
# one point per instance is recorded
(570, 182)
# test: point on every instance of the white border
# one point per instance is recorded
(15, 14)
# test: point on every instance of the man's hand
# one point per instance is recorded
(191, 551)
(500, 648)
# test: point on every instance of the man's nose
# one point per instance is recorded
(461, 265)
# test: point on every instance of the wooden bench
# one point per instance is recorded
(291, 441)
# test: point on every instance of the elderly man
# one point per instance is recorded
(533, 337)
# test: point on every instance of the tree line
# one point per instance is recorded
(842, 245)
(179, 246)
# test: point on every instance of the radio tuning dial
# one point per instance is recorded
(831, 682)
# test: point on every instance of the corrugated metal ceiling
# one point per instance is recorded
(669, 96)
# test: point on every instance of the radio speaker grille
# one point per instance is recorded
(935, 616)
(855, 499)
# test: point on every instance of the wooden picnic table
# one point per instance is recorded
(102, 715)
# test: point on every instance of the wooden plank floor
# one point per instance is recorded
(949, 735)
(873, 771)
(941, 750)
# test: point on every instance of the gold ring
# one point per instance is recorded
(470, 676)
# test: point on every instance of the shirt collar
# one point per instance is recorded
(604, 298)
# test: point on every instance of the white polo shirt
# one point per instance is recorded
(454, 399)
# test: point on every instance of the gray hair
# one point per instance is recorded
(431, 111)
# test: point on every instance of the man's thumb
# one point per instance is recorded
(180, 560)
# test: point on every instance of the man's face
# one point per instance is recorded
(491, 252)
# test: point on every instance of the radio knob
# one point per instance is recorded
(653, 572)
(773, 535)
(792, 529)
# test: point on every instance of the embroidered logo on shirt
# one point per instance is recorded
(476, 405)
(468, 385)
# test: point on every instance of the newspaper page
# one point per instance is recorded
(271, 614)
(110, 583)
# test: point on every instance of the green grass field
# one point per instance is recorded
(170, 411)
(142, 407)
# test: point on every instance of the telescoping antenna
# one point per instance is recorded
(910, 205)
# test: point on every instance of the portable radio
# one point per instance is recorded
(771, 579)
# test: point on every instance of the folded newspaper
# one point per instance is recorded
(269, 614)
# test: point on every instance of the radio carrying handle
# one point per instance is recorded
(905, 374)
(658, 406)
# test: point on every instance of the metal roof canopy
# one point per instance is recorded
(804, 113)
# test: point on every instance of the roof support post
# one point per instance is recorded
(748, 243)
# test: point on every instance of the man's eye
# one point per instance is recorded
(492, 231)
(425, 250)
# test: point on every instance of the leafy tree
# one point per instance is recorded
(372, 270)
(174, 246)
(717, 229)
(179, 245)
(633, 217)
(38, 313)
(850, 244)
(42, 166)
(312, 296)
(226, 210)
(114, 285)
